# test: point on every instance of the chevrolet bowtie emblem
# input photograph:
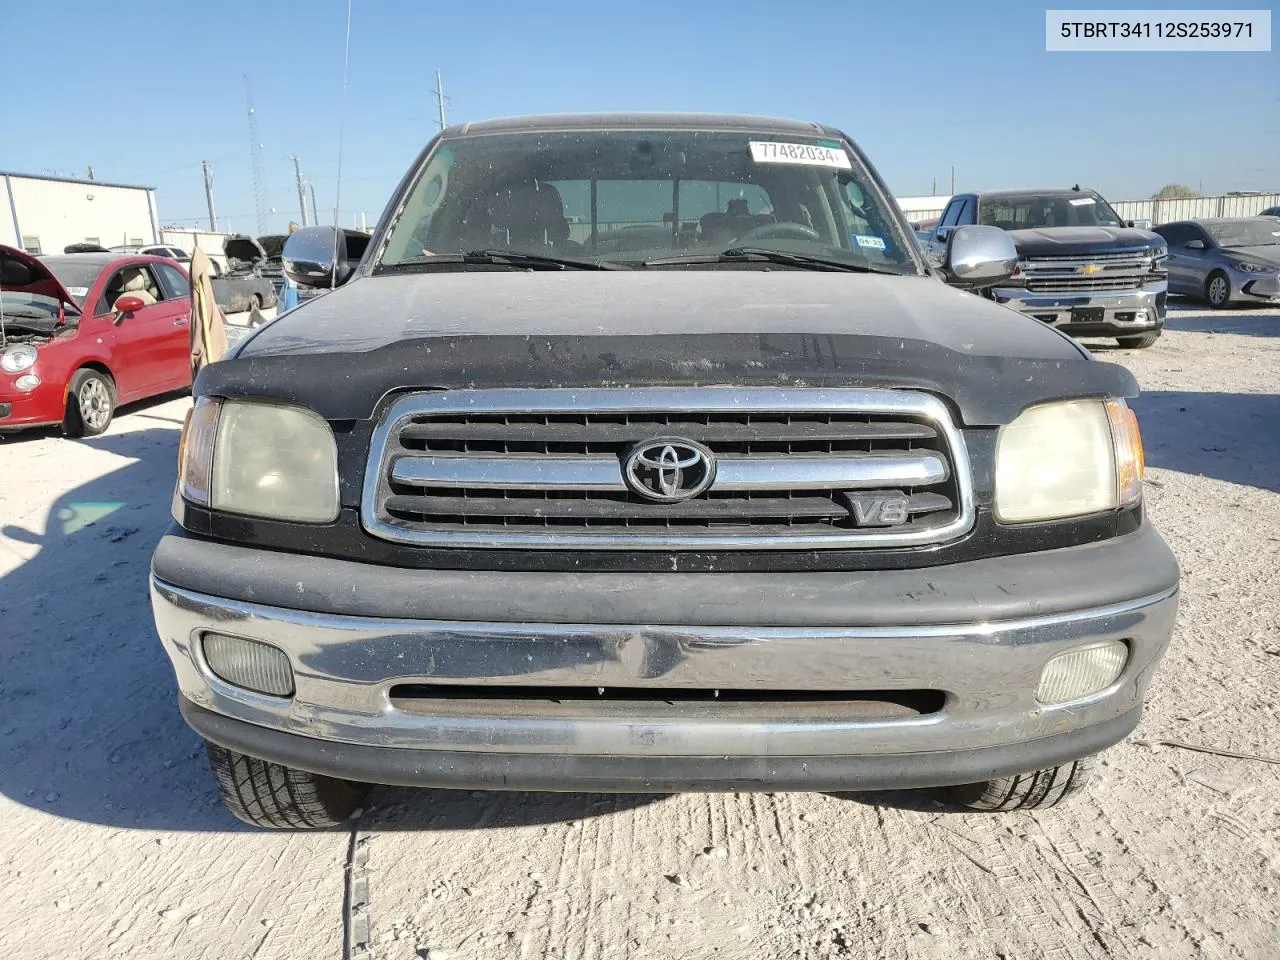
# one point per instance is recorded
(1089, 269)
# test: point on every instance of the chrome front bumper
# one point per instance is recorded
(345, 667)
(1122, 311)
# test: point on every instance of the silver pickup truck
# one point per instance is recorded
(647, 453)
(1080, 267)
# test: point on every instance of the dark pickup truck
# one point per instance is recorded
(647, 453)
(1080, 267)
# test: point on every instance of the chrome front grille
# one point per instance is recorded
(1124, 270)
(545, 468)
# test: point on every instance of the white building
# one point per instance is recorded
(43, 214)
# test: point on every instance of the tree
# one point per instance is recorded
(1174, 191)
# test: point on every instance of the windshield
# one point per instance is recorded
(631, 196)
(74, 274)
(1029, 212)
(1245, 233)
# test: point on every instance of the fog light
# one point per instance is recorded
(1082, 671)
(256, 666)
(27, 382)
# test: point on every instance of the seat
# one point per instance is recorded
(136, 282)
(530, 215)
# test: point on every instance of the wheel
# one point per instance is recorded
(1026, 791)
(91, 403)
(1139, 343)
(1217, 290)
(265, 794)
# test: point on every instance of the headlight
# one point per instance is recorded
(1248, 266)
(260, 459)
(1068, 459)
(19, 357)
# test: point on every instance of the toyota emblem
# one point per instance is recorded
(669, 469)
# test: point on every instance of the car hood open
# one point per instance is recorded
(246, 249)
(21, 271)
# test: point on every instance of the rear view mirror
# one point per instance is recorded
(323, 256)
(979, 256)
(128, 303)
(1195, 244)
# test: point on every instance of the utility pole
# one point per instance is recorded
(302, 196)
(934, 192)
(953, 180)
(208, 194)
(440, 97)
(91, 171)
(315, 217)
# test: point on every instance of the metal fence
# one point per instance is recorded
(1165, 211)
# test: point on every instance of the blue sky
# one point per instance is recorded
(144, 97)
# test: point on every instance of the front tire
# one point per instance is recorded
(1217, 290)
(91, 403)
(265, 794)
(1138, 343)
(1037, 790)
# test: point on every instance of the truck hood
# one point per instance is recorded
(21, 271)
(343, 353)
(1070, 241)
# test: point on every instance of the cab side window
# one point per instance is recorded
(967, 213)
(952, 213)
(176, 284)
(136, 279)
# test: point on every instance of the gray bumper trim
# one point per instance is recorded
(1000, 588)
(622, 774)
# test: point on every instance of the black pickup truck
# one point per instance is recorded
(647, 453)
(1080, 267)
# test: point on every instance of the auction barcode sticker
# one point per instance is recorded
(1160, 31)
(770, 151)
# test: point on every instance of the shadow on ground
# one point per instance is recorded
(1226, 436)
(1224, 321)
(90, 728)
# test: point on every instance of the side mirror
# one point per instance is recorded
(1194, 244)
(1128, 223)
(128, 303)
(322, 256)
(979, 256)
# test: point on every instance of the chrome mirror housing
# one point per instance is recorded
(322, 256)
(979, 256)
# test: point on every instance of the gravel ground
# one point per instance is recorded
(114, 843)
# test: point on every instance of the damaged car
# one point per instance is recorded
(253, 279)
(83, 333)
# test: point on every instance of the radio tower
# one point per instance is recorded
(255, 155)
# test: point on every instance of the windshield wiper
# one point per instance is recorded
(510, 258)
(765, 255)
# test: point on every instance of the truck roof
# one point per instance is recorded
(640, 121)
(1034, 192)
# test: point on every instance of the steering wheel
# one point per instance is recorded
(780, 231)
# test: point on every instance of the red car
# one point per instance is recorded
(82, 333)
